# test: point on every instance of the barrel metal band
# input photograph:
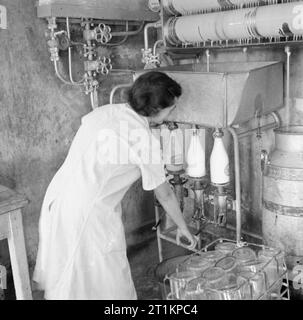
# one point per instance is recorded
(292, 174)
(283, 210)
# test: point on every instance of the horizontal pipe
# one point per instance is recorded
(76, 22)
(123, 71)
(248, 233)
(128, 33)
(275, 124)
(251, 131)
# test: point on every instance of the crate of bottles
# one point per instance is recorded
(225, 270)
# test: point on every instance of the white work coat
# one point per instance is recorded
(82, 248)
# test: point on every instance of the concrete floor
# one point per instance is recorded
(143, 261)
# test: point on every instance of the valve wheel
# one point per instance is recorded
(103, 33)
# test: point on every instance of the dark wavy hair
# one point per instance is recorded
(153, 91)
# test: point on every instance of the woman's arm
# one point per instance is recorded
(170, 204)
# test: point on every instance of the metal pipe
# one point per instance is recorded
(112, 93)
(156, 44)
(287, 105)
(159, 235)
(70, 56)
(275, 124)
(54, 48)
(128, 33)
(237, 182)
(248, 233)
(123, 71)
(288, 53)
(146, 28)
(125, 33)
(58, 74)
(232, 228)
(94, 99)
(277, 118)
(207, 59)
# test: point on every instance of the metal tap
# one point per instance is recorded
(101, 33)
(102, 65)
(150, 60)
(53, 43)
(177, 182)
(199, 187)
(222, 202)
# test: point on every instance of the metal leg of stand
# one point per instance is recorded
(159, 235)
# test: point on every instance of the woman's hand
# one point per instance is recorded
(170, 204)
(189, 237)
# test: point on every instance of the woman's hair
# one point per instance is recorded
(153, 91)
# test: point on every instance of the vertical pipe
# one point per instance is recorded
(70, 55)
(146, 28)
(287, 105)
(238, 183)
(156, 45)
(207, 60)
(225, 110)
(159, 234)
(94, 98)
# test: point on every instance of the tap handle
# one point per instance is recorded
(155, 227)
(103, 33)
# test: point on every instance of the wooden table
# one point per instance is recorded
(11, 228)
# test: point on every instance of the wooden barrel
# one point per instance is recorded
(282, 221)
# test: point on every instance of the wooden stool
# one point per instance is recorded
(11, 228)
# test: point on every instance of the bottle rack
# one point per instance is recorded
(269, 293)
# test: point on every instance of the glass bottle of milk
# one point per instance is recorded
(219, 162)
(195, 157)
